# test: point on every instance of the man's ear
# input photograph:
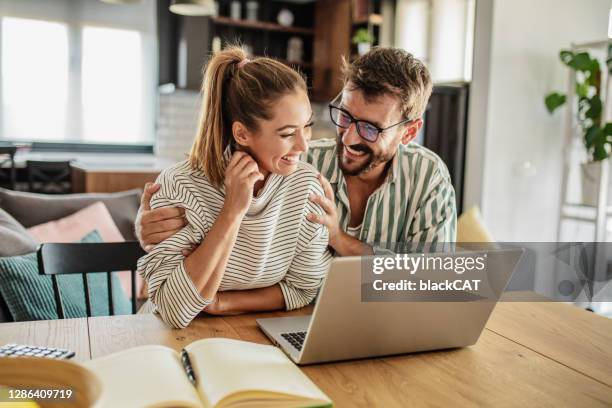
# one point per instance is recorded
(241, 134)
(411, 131)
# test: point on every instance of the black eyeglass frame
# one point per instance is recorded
(357, 121)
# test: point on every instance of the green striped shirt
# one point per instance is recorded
(415, 206)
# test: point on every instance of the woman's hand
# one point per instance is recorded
(220, 306)
(215, 308)
(240, 177)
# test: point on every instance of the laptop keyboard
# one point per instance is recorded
(296, 339)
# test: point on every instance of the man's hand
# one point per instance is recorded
(154, 226)
(328, 204)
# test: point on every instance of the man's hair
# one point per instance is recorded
(391, 71)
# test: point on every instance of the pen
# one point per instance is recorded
(187, 366)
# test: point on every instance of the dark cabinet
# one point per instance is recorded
(445, 129)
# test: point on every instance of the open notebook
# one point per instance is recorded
(215, 373)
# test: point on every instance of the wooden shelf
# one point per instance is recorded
(374, 19)
(305, 65)
(261, 25)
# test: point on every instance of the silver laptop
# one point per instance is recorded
(342, 327)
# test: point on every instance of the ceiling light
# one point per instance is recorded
(122, 1)
(193, 7)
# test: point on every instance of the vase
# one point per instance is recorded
(363, 48)
(590, 174)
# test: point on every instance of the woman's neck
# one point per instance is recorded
(259, 185)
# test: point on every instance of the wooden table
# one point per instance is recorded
(530, 354)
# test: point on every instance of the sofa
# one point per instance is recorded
(22, 210)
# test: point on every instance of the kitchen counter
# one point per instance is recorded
(101, 162)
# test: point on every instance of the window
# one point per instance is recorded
(77, 72)
(34, 79)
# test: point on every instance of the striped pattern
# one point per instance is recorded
(275, 243)
(415, 205)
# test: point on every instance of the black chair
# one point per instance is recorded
(84, 258)
(49, 177)
(8, 175)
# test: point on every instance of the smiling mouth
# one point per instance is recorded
(291, 159)
(352, 153)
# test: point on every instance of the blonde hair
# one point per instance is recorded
(387, 70)
(236, 89)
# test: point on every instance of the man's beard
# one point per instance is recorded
(371, 162)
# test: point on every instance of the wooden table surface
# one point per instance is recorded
(530, 354)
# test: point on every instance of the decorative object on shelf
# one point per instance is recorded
(363, 39)
(252, 9)
(285, 17)
(590, 175)
(216, 44)
(597, 135)
(295, 49)
(193, 7)
(236, 10)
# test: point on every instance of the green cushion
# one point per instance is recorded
(29, 296)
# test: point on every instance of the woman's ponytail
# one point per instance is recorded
(213, 133)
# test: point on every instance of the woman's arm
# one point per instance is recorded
(234, 302)
(182, 286)
(206, 265)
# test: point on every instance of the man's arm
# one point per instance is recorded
(433, 226)
(154, 226)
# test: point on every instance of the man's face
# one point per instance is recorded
(356, 155)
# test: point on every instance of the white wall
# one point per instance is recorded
(514, 145)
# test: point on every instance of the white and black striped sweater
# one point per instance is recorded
(275, 243)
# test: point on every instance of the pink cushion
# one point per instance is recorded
(75, 226)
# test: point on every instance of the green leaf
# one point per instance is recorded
(594, 111)
(591, 136)
(566, 56)
(581, 62)
(600, 153)
(582, 90)
(553, 101)
(608, 129)
(593, 67)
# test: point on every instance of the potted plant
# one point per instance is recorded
(597, 135)
(363, 39)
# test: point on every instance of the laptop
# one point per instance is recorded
(342, 327)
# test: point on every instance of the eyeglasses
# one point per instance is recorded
(366, 130)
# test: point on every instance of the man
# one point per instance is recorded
(381, 191)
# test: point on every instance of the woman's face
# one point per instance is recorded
(277, 144)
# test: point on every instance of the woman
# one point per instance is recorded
(246, 196)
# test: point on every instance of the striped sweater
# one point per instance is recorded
(275, 242)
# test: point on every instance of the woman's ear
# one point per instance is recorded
(241, 134)
(411, 131)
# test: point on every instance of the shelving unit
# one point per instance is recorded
(597, 215)
(324, 26)
(366, 14)
(264, 36)
(261, 25)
